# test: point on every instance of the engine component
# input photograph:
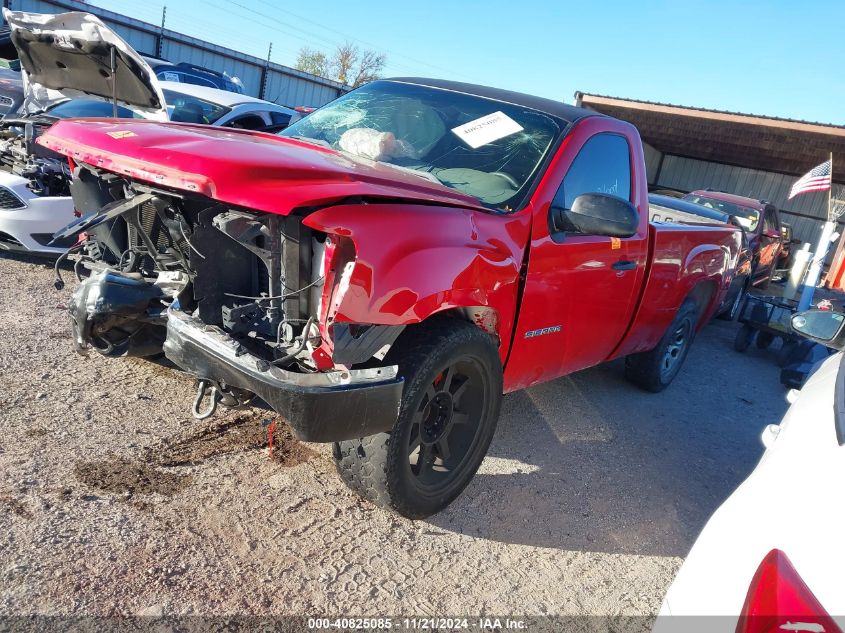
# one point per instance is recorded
(118, 315)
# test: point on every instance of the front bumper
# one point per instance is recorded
(319, 407)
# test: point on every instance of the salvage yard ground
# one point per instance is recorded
(114, 501)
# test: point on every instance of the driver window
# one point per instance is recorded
(247, 122)
(602, 166)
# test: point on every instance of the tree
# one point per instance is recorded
(311, 61)
(348, 64)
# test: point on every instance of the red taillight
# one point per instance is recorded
(778, 601)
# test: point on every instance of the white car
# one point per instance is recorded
(59, 83)
(771, 558)
(189, 103)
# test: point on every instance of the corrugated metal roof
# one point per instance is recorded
(579, 95)
(769, 144)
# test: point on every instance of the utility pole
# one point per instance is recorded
(160, 38)
(264, 72)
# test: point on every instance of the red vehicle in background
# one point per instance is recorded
(760, 221)
(382, 271)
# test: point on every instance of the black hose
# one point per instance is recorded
(284, 296)
(59, 283)
(300, 347)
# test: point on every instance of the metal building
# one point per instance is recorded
(755, 156)
(263, 79)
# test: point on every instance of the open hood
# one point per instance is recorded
(70, 55)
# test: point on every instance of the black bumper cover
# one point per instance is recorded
(362, 403)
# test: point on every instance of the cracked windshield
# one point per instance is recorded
(484, 148)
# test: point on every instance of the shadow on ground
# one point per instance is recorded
(589, 462)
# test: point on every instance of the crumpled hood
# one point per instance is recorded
(69, 55)
(239, 167)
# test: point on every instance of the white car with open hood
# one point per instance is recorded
(67, 64)
(770, 559)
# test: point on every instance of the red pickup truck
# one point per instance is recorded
(382, 271)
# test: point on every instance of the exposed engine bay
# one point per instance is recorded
(48, 173)
(247, 273)
(166, 267)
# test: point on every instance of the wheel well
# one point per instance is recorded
(483, 317)
(702, 294)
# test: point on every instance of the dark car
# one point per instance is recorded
(11, 85)
(759, 220)
(186, 73)
(663, 208)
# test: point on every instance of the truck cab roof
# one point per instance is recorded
(557, 109)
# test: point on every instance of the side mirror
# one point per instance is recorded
(597, 214)
(823, 326)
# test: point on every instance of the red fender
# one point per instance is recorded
(412, 261)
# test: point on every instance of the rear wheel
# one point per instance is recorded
(447, 417)
(655, 370)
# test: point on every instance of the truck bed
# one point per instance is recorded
(682, 256)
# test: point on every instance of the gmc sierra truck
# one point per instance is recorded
(382, 271)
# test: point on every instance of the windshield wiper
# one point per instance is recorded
(314, 141)
(416, 172)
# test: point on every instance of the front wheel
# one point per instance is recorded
(447, 417)
(655, 370)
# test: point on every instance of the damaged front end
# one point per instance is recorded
(238, 298)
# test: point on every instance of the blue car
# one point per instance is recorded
(186, 73)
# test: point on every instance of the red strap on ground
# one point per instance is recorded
(271, 430)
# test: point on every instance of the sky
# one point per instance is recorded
(778, 58)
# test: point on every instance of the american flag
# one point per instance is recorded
(817, 179)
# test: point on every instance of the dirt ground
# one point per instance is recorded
(114, 501)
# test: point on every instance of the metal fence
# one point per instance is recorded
(263, 79)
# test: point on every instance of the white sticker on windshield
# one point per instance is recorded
(487, 129)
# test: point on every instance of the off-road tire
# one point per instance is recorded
(648, 370)
(378, 467)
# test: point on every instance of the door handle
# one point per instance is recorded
(624, 264)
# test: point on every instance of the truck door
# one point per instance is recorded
(580, 290)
